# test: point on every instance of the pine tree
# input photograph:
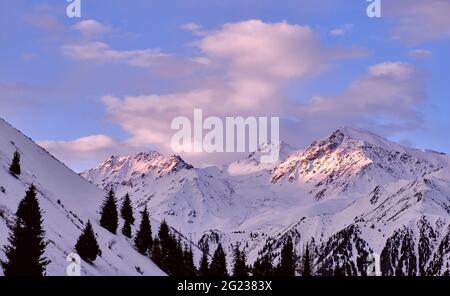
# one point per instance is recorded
(306, 262)
(15, 169)
(176, 257)
(204, 265)
(126, 229)
(109, 215)
(156, 252)
(239, 263)
(188, 259)
(218, 264)
(143, 241)
(166, 246)
(87, 246)
(287, 264)
(24, 254)
(126, 211)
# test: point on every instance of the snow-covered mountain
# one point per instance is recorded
(67, 201)
(352, 193)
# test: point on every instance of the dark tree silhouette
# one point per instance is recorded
(239, 263)
(24, 254)
(263, 266)
(156, 252)
(126, 212)
(307, 262)
(126, 229)
(188, 259)
(15, 169)
(109, 215)
(218, 265)
(87, 246)
(287, 264)
(204, 265)
(143, 241)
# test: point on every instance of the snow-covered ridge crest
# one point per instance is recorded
(350, 184)
(353, 158)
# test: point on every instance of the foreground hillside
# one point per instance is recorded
(67, 201)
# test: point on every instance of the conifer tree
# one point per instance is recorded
(15, 169)
(156, 252)
(25, 252)
(306, 262)
(176, 257)
(126, 229)
(126, 210)
(109, 215)
(204, 265)
(166, 245)
(188, 259)
(87, 246)
(143, 241)
(239, 263)
(287, 264)
(263, 266)
(218, 265)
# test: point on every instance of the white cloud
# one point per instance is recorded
(101, 51)
(253, 61)
(194, 28)
(91, 28)
(420, 53)
(386, 99)
(86, 152)
(342, 30)
(418, 21)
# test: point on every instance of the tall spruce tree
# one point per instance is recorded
(306, 262)
(176, 257)
(188, 259)
(204, 265)
(25, 252)
(109, 216)
(239, 262)
(287, 264)
(156, 252)
(143, 241)
(14, 168)
(218, 265)
(166, 245)
(126, 212)
(87, 246)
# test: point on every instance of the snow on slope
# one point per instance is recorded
(67, 201)
(350, 189)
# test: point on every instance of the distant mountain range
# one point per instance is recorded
(349, 195)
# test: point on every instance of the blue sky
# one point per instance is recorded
(112, 80)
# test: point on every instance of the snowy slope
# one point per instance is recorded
(67, 201)
(352, 190)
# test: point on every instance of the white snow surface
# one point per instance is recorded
(67, 201)
(348, 177)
